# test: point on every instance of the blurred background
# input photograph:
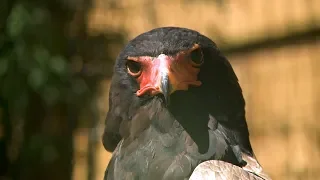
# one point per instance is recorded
(56, 59)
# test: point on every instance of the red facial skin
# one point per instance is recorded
(181, 70)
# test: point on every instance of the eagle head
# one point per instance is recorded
(182, 69)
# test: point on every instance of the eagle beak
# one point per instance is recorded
(166, 74)
(165, 87)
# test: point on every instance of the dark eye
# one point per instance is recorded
(196, 57)
(134, 68)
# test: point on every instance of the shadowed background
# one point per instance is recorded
(56, 60)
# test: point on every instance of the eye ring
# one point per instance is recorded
(133, 68)
(196, 57)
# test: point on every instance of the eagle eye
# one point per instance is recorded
(134, 68)
(196, 57)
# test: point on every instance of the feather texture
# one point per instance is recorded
(202, 129)
(220, 170)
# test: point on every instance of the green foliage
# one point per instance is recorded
(17, 21)
(40, 150)
(37, 78)
(58, 65)
(35, 61)
(4, 63)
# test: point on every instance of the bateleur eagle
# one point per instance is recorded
(176, 111)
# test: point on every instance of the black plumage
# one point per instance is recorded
(155, 138)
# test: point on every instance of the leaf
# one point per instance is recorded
(4, 64)
(41, 55)
(39, 15)
(36, 78)
(17, 20)
(58, 65)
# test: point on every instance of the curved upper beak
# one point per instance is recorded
(165, 75)
(165, 87)
(156, 78)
